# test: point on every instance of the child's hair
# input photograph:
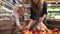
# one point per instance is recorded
(15, 8)
(19, 10)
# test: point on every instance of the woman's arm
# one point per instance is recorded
(41, 24)
(29, 24)
(44, 12)
(31, 20)
(42, 18)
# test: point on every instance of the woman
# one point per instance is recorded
(38, 11)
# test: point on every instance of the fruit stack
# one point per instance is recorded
(55, 31)
(26, 31)
(40, 31)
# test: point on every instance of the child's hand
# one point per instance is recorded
(27, 27)
(20, 27)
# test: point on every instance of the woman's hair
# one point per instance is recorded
(37, 7)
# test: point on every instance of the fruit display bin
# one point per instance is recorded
(51, 24)
(48, 31)
(8, 27)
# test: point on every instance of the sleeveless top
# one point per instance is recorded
(36, 16)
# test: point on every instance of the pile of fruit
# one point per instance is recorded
(42, 31)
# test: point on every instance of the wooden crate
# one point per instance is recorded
(7, 27)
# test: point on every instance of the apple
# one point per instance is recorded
(30, 32)
(38, 28)
(40, 32)
(35, 32)
(55, 31)
(25, 31)
(49, 32)
(45, 32)
(59, 32)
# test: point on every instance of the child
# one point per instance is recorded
(19, 16)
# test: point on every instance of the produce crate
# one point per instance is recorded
(51, 24)
(8, 27)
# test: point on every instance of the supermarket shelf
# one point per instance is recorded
(7, 28)
(53, 11)
(51, 24)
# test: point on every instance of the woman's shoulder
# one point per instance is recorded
(44, 3)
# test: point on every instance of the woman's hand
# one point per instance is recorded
(29, 24)
(40, 21)
(42, 18)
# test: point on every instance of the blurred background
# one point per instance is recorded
(7, 22)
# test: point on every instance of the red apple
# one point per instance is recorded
(25, 31)
(43, 31)
(55, 33)
(56, 30)
(35, 32)
(30, 32)
(40, 32)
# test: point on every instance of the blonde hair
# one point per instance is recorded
(19, 10)
(15, 9)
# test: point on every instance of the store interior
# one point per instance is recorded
(7, 22)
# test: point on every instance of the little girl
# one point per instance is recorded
(18, 13)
